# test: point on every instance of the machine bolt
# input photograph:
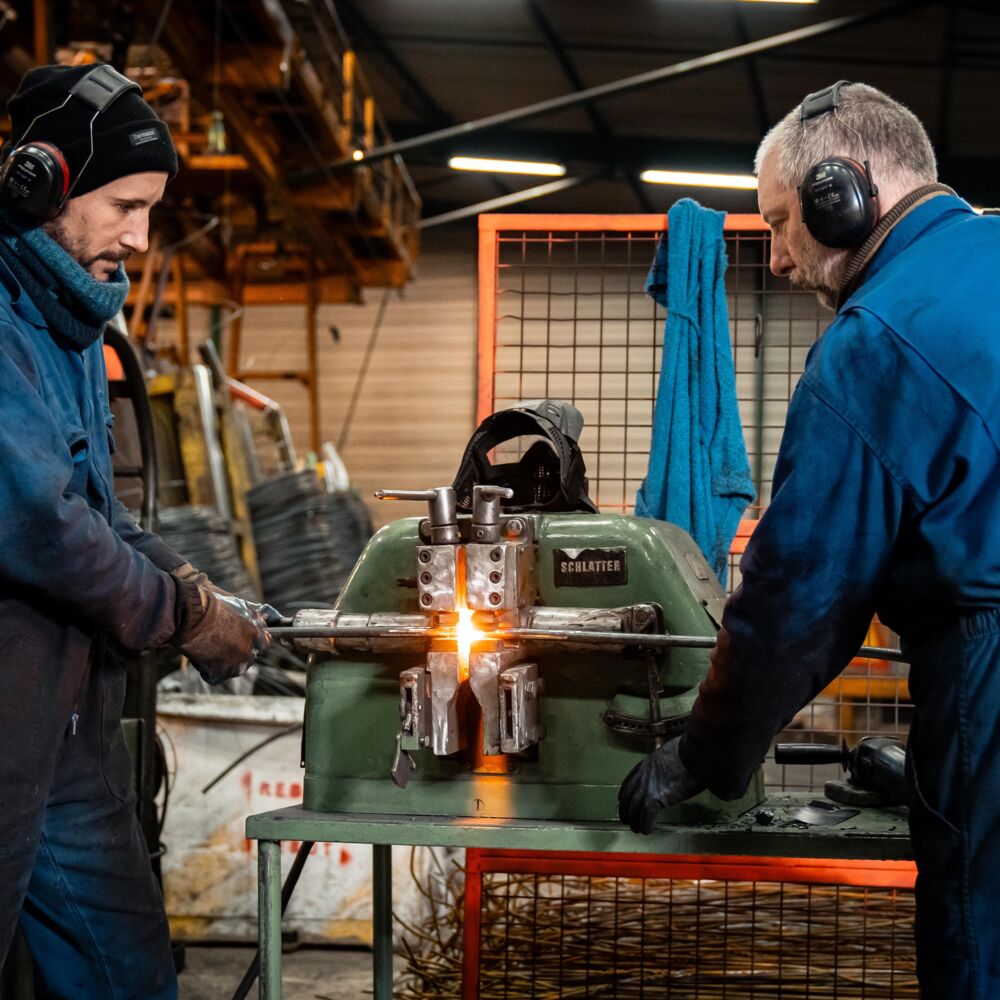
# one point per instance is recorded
(424, 556)
(515, 526)
(426, 599)
(496, 576)
(495, 598)
(425, 578)
(496, 554)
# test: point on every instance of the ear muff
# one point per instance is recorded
(839, 202)
(34, 181)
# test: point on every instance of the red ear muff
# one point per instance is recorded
(839, 202)
(34, 181)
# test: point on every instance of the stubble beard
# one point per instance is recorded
(77, 248)
(821, 270)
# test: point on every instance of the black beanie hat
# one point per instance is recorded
(128, 136)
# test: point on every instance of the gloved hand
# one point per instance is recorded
(188, 573)
(659, 781)
(220, 634)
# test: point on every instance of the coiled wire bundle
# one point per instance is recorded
(202, 536)
(307, 539)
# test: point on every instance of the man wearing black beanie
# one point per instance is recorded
(77, 574)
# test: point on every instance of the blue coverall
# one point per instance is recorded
(886, 498)
(73, 565)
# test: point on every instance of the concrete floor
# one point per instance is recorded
(213, 973)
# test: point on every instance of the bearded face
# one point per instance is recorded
(819, 269)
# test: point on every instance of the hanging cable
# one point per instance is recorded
(359, 382)
(267, 741)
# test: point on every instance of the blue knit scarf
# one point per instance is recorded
(73, 303)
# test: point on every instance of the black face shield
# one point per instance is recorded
(549, 475)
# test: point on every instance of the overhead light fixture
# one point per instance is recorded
(692, 178)
(506, 166)
(780, 1)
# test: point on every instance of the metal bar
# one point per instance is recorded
(739, 868)
(612, 89)
(382, 920)
(472, 925)
(581, 636)
(487, 318)
(559, 222)
(269, 917)
(205, 394)
(514, 198)
(312, 353)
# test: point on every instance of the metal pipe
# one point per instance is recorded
(576, 636)
(603, 91)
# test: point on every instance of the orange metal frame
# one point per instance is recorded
(869, 874)
(490, 225)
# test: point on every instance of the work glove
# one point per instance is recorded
(220, 634)
(272, 616)
(658, 781)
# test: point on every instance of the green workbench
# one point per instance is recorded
(872, 835)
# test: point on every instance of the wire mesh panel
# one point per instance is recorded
(549, 937)
(563, 313)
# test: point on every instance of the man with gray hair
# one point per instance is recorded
(886, 498)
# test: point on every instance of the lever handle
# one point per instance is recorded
(407, 494)
(493, 492)
(442, 506)
(811, 753)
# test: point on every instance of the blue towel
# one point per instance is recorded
(698, 475)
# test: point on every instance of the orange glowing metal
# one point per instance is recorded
(466, 634)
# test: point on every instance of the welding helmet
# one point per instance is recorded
(549, 475)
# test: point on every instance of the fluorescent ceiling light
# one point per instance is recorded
(780, 1)
(692, 178)
(506, 166)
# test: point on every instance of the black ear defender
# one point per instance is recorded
(35, 179)
(838, 197)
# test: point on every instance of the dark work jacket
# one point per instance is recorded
(886, 493)
(72, 562)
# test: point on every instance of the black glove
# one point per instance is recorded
(658, 781)
(220, 634)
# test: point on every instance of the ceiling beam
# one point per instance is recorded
(618, 87)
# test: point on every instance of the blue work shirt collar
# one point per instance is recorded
(20, 301)
(912, 226)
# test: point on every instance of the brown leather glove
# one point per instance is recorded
(188, 573)
(220, 634)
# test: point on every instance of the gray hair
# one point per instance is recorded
(895, 141)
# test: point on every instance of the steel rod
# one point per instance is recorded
(605, 90)
(582, 636)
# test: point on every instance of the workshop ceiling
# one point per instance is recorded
(433, 63)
